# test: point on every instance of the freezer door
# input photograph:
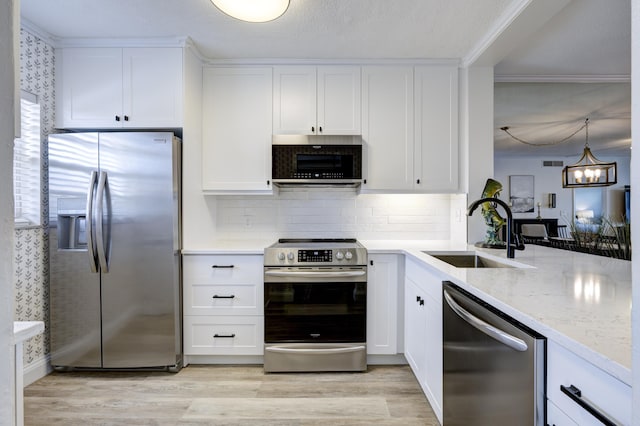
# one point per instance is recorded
(74, 280)
(138, 249)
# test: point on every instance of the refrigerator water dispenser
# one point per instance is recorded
(72, 221)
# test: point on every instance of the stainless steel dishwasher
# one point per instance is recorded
(494, 366)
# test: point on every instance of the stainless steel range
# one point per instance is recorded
(315, 305)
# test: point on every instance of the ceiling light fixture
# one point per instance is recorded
(253, 10)
(589, 171)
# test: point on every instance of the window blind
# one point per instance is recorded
(27, 164)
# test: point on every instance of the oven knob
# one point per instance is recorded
(348, 255)
(339, 255)
(281, 256)
(290, 256)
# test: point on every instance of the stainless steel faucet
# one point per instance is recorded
(511, 244)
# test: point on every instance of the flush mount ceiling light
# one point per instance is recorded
(253, 10)
(589, 171)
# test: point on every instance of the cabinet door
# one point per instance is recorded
(387, 127)
(236, 134)
(415, 329)
(294, 100)
(89, 88)
(152, 82)
(339, 103)
(382, 304)
(433, 351)
(427, 334)
(436, 128)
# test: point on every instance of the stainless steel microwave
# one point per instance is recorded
(317, 164)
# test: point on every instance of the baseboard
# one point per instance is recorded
(397, 359)
(37, 370)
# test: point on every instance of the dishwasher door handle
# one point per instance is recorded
(491, 331)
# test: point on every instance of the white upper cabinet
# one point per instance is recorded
(116, 88)
(387, 127)
(236, 130)
(309, 100)
(436, 128)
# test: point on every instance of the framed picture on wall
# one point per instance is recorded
(521, 193)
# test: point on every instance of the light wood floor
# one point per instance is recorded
(229, 395)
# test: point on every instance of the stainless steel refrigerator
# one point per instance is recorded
(114, 215)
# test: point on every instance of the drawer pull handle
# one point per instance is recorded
(576, 395)
(215, 296)
(222, 266)
(224, 336)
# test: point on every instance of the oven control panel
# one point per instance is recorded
(315, 256)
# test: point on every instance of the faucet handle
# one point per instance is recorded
(517, 242)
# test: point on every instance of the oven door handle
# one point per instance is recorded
(324, 351)
(312, 274)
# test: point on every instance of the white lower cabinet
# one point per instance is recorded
(423, 330)
(223, 335)
(223, 304)
(382, 304)
(597, 389)
(555, 416)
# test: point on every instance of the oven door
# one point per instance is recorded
(315, 319)
(315, 305)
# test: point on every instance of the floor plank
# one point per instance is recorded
(229, 395)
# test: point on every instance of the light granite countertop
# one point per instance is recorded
(580, 301)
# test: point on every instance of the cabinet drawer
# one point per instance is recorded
(605, 393)
(222, 269)
(555, 416)
(224, 299)
(223, 335)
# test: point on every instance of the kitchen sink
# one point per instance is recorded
(467, 259)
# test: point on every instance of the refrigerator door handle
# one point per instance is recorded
(93, 262)
(100, 240)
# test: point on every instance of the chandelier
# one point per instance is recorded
(253, 10)
(589, 171)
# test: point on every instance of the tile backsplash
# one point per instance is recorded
(339, 213)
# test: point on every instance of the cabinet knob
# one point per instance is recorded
(418, 298)
(117, 118)
(268, 182)
(371, 262)
(313, 129)
(320, 129)
(126, 118)
(364, 181)
(418, 181)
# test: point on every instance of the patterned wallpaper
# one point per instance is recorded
(31, 263)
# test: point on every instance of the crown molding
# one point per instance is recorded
(507, 18)
(35, 30)
(567, 78)
(321, 61)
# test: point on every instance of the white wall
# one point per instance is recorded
(549, 180)
(635, 205)
(8, 34)
(476, 135)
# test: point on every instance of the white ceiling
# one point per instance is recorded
(585, 40)
(309, 28)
